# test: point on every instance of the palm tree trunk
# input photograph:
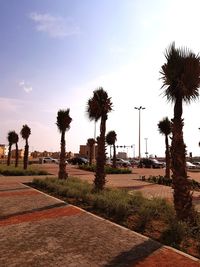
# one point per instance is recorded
(100, 175)
(62, 165)
(91, 154)
(167, 158)
(9, 155)
(16, 155)
(114, 156)
(26, 155)
(182, 195)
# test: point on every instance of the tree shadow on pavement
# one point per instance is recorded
(135, 254)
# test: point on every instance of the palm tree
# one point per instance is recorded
(25, 133)
(98, 107)
(111, 138)
(16, 139)
(63, 124)
(11, 141)
(181, 80)
(164, 127)
(90, 144)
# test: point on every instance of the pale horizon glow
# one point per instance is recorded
(55, 54)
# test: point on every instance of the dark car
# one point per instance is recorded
(150, 163)
(78, 161)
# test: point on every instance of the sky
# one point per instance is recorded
(54, 54)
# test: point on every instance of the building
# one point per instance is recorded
(122, 155)
(2, 151)
(20, 153)
(84, 151)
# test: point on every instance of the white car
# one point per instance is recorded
(123, 163)
(49, 160)
(189, 165)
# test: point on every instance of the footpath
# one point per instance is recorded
(39, 230)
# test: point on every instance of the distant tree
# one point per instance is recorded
(11, 141)
(98, 107)
(181, 79)
(90, 144)
(63, 124)
(111, 138)
(25, 133)
(164, 127)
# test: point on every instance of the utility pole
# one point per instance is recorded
(139, 109)
(146, 139)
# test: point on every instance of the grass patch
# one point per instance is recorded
(108, 169)
(154, 218)
(19, 171)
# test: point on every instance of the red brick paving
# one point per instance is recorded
(41, 215)
(165, 257)
(19, 193)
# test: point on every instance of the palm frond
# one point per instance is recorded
(63, 120)
(181, 74)
(165, 126)
(99, 104)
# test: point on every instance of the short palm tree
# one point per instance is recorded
(181, 80)
(11, 141)
(25, 133)
(111, 138)
(90, 144)
(63, 124)
(164, 127)
(98, 107)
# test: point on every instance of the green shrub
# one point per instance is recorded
(175, 233)
(108, 169)
(19, 171)
(114, 203)
(168, 181)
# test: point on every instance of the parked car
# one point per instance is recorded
(134, 162)
(78, 160)
(122, 163)
(190, 165)
(49, 160)
(196, 163)
(150, 163)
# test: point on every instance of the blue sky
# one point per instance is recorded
(55, 53)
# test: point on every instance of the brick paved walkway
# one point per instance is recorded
(39, 230)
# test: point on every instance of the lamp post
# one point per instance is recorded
(139, 109)
(146, 139)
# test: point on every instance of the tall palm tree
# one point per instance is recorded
(90, 144)
(181, 80)
(111, 138)
(63, 124)
(164, 127)
(11, 141)
(98, 107)
(16, 139)
(25, 133)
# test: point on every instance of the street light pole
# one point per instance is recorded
(146, 147)
(139, 109)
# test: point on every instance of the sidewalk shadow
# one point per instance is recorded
(135, 254)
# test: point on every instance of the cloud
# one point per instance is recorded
(25, 86)
(54, 26)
